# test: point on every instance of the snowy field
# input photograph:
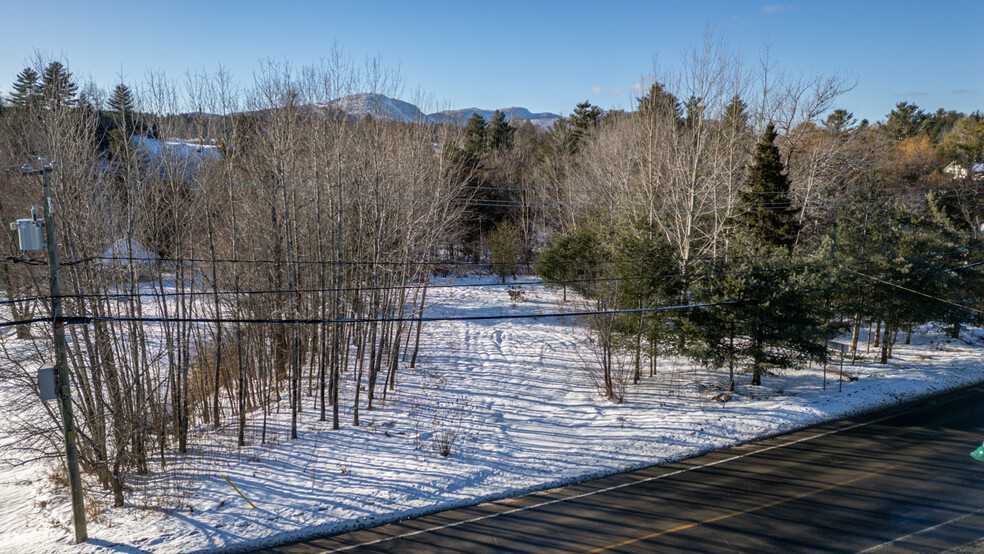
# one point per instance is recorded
(511, 396)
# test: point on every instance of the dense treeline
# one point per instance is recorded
(275, 215)
(790, 219)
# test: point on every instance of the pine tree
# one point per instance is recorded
(27, 88)
(505, 249)
(475, 136)
(694, 111)
(913, 251)
(904, 121)
(736, 115)
(965, 144)
(585, 117)
(776, 321)
(937, 125)
(768, 212)
(122, 100)
(839, 122)
(659, 101)
(123, 104)
(58, 87)
(500, 132)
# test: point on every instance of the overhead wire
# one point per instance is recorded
(913, 291)
(561, 282)
(151, 259)
(417, 285)
(318, 321)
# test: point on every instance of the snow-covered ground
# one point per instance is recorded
(514, 398)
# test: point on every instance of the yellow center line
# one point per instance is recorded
(748, 511)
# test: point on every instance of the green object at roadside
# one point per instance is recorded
(979, 453)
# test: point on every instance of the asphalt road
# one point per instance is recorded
(895, 481)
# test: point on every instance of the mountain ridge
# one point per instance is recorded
(379, 105)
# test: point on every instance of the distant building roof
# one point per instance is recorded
(124, 250)
(960, 172)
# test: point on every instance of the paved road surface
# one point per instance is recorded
(897, 481)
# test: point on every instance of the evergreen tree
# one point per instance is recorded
(776, 321)
(736, 115)
(768, 214)
(476, 131)
(839, 122)
(659, 101)
(694, 111)
(505, 248)
(937, 125)
(585, 117)
(122, 103)
(965, 144)
(27, 88)
(500, 132)
(904, 121)
(906, 259)
(58, 87)
(123, 123)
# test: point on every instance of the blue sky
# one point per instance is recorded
(546, 56)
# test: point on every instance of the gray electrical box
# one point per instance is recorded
(30, 233)
(46, 382)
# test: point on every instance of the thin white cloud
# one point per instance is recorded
(637, 88)
(964, 91)
(913, 94)
(774, 8)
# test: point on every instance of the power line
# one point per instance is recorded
(419, 285)
(161, 294)
(907, 289)
(316, 321)
(968, 266)
(442, 263)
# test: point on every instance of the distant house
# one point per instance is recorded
(125, 255)
(959, 171)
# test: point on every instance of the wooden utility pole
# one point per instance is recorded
(62, 379)
(337, 345)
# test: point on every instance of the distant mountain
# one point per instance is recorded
(541, 119)
(378, 105)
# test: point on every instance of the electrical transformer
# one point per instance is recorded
(30, 233)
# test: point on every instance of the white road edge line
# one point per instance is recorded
(608, 489)
(919, 532)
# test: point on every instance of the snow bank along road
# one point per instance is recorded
(897, 480)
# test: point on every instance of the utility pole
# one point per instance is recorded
(62, 379)
(336, 366)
